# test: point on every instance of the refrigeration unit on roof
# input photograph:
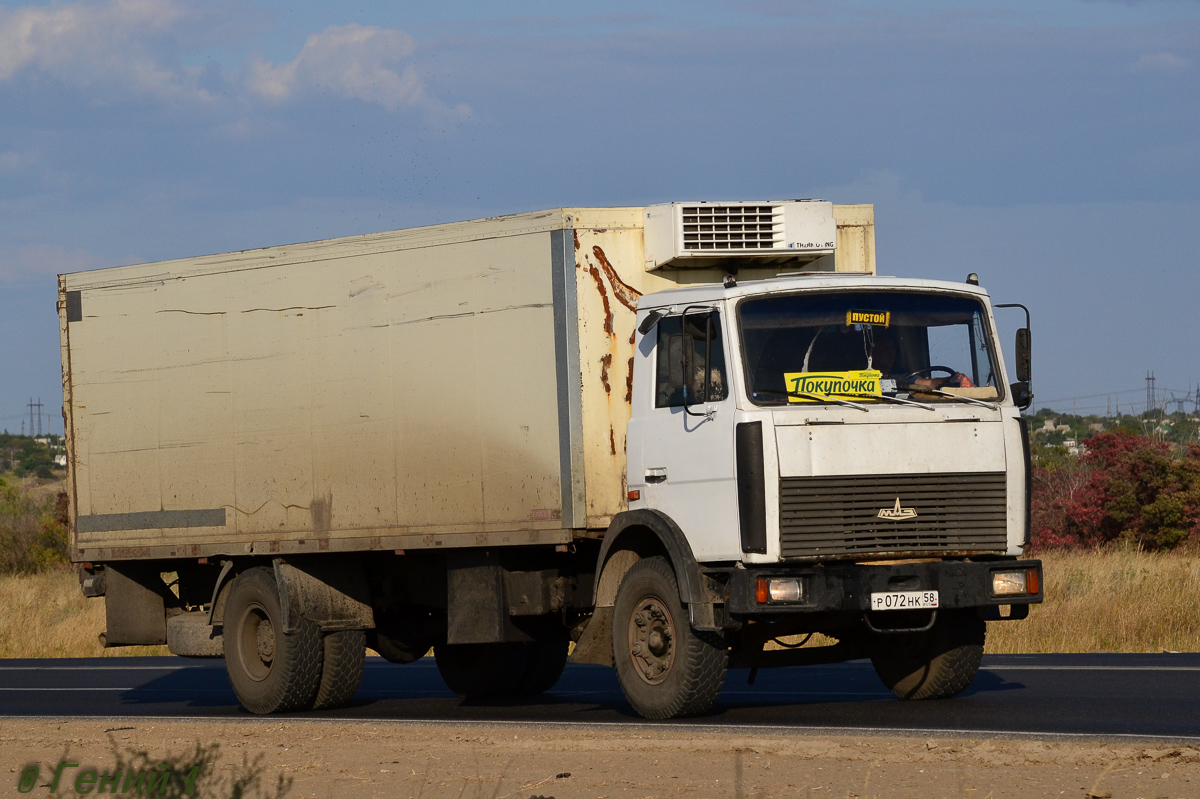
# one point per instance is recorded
(701, 234)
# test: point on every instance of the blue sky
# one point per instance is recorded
(1054, 148)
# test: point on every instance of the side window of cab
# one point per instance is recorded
(690, 355)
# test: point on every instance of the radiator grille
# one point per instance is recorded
(732, 227)
(839, 516)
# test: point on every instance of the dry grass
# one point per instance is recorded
(1110, 601)
(46, 615)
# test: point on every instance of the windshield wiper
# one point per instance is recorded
(932, 390)
(897, 400)
(817, 397)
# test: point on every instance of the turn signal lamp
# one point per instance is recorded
(1033, 581)
(778, 589)
(1009, 583)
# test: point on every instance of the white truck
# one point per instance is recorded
(669, 435)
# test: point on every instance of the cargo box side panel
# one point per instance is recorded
(472, 348)
(381, 399)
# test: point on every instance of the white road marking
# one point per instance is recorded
(96, 668)
(1019, 667)
(4, 688)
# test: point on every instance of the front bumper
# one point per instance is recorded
(848, 587)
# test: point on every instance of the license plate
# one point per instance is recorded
(904, 600)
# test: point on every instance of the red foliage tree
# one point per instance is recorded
(1124, 487)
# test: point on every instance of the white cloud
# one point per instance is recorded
(121, 41)
(43, 260)
(137, 45)
(1160, 62)
(353, 61)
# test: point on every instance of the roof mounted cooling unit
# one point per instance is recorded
(709, 234)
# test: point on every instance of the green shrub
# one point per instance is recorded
(33, 530)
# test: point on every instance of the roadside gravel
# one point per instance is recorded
(368, 759)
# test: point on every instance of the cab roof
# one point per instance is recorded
(817, 281)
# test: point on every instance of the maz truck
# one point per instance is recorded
(669, 439)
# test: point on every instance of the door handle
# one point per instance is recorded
(656, 475)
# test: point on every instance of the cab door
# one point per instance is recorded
(688, 437)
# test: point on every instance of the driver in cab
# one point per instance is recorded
(883, 358)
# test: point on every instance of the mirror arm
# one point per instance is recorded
(687, 372)
(1015, 305)
(1026, 335)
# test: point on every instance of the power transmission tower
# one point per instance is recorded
(1150, 404)
(39, 412)
(31, 407)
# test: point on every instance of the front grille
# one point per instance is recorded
(839, 516)
(732, 227)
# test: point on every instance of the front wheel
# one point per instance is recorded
(666, 669)
(936, 664)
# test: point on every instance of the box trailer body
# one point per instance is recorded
(669, 434)
(459, 385)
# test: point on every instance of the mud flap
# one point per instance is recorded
(134, 607)
(596, 645)
(334, 595)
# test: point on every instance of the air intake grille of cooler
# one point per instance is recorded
(732, 227)
(839, 516)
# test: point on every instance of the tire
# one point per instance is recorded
(666, 669)
(482, 671)
(342, 668)
(545, 663)
(936, 664)
(405, 634)
(271, 672)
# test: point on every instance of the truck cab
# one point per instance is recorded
(839, 454)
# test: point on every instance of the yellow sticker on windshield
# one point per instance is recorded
(820, 386)
(870, 318)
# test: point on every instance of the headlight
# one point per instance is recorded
(1009, 583)
(779, 589)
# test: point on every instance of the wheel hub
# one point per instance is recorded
(652, 640)
(265, 641)
(256, 641)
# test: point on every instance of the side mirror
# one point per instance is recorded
(1024, 356)
(650, 321)
(1022, 396)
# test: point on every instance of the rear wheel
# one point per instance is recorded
(544, 666)
(271, 671)
(406, 633)
(482, 671)
(666, 669)
(936, 664)
(345, 654)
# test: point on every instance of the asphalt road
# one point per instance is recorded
(1108, 695)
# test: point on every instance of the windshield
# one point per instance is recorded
(816, 347)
